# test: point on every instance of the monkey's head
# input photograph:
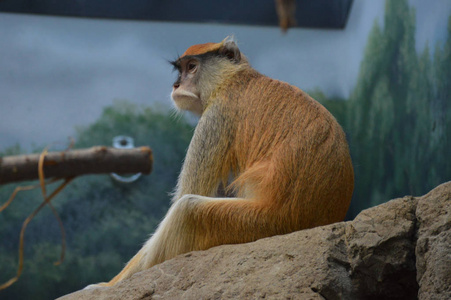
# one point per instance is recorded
(201, 70)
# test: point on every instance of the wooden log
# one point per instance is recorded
(96, 160)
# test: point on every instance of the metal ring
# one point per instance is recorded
(124, 142)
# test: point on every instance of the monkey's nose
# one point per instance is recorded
(176, 85)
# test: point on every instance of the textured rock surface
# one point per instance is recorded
(397, 250)
(433, 250)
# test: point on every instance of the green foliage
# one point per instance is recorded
(396, 118)
(106, 222)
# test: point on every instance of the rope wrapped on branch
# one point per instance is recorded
(72, 163)
(65, 165)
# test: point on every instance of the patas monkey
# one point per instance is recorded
(288, 156)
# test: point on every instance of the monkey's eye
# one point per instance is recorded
(192, 67)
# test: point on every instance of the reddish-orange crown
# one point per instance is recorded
(203, 48)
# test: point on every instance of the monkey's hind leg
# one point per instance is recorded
(198, 223)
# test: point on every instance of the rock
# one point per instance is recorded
(397, 250)
(433, 250)
(381, 251)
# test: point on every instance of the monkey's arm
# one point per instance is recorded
(206, 163)
(207, 160)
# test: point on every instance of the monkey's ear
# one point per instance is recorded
(230, 50)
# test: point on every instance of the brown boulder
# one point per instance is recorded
(397, 250)
(433, 250)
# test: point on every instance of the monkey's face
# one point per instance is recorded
(185, 93)
(201, 70)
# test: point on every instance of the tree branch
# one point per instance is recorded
(96, 160)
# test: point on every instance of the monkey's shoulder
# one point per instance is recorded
(276, 90)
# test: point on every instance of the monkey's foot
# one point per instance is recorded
(97, 286)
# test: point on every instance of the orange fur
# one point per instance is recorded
(288, 154)
(202, 49)
(289, 151)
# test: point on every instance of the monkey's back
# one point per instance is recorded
(291, 153)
